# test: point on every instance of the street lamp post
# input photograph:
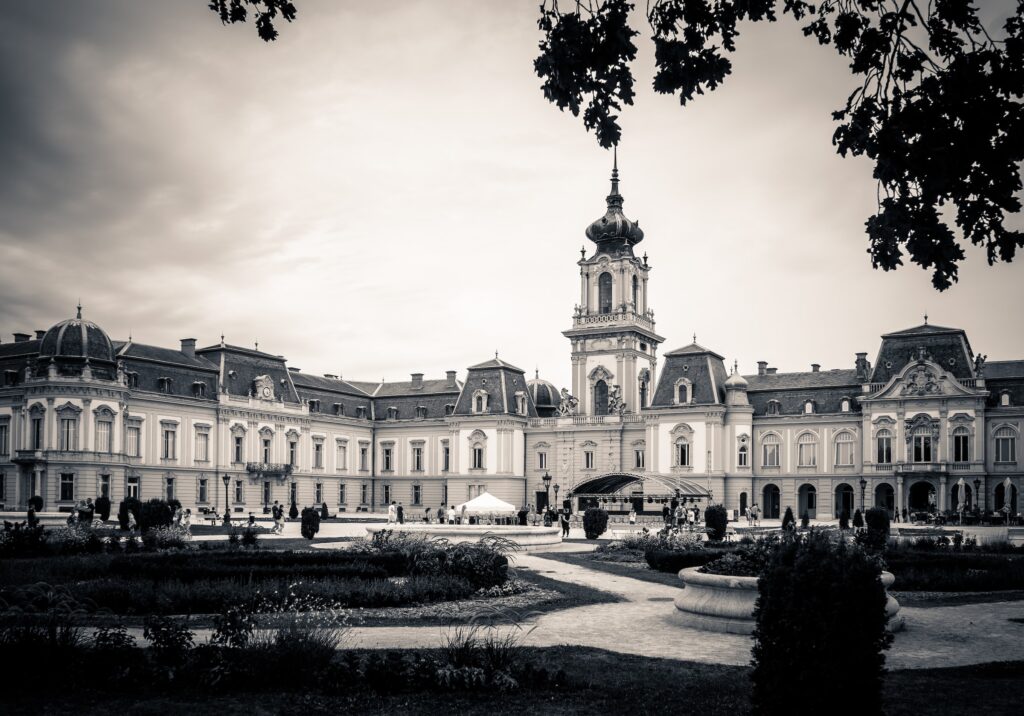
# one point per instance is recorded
(227, 509)
(977, 493)
(557, 487)
(863, 487)
(546, 479)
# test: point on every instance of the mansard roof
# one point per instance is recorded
(923, 330)
(323, 383)
(141, 351)
(803, 380)
(243, 365)
(704, 370)
(1004, 369)
(501, 381)
(948, 347)
(692, 349)
(496, 363)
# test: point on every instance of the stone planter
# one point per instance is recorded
(716, 602)
(529, 539)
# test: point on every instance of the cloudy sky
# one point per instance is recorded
(384, 190)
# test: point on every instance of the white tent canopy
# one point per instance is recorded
(486, 504)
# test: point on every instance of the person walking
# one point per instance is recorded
(666, 514)
(451, 514)
(186, 521)
(563, 519)
(462, 516)
(426, 516)
(392, 513)
(632, 516)
(400, 513)
(441, 515)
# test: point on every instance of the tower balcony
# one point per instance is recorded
(623, 318)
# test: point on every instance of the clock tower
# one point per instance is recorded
(614, 346)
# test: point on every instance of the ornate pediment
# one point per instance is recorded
(921, 380)
(921, 424)
(601, 373)
(263, 387)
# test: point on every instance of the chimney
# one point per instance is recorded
(40, 334)
(417, 381)
(450, 374)
(815, 367)
(762, 367)
(21, 337)
(188, 347)
(294, 369)
(772, 371)
(328, 375)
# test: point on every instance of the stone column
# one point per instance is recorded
(942, 493)
(87, 420)
(51, 426)
(899, 495)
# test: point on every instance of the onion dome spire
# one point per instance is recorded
(613, 232)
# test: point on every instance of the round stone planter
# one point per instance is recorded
(528, 538)
(716, 602)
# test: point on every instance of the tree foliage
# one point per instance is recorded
(267, 12)
(936, 104)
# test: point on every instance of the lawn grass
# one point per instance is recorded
(620, 569)
(597, 681)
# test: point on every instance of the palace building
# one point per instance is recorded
(928, 423)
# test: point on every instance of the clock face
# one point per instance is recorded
(266, 391)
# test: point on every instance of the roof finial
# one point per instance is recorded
(615, 169)
(495, 355)
(694, 337)
(926, 318)
(79, 308)
(536, 373)
(257, 344)
(735, 366)
(222, 339)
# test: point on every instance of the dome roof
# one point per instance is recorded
(544, 393)
(736, 381)
(614, 230)
(77, 338)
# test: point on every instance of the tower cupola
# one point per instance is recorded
(614, 233)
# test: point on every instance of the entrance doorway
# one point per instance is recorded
(922, 497)
(542, 500)
(807, 501)
(844, 500)
(885, 497)
(743, 504)
(266, 495)
(771, 502)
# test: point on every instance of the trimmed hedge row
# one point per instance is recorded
(666, 560)
(955, 572)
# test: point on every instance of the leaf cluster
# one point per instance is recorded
(266, 12)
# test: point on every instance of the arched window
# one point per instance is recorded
(743, 453)
(844, 449)
(844, 405)
(480, 401)
(808, 407)
(1004, 399)
(774, 407)
(770, 450)
(682, 452)
(600, 398)
(961, 444)
(636, 294)
(684, 391)
(883, 445)
(1006, 445)
(604, 292)
(807, 450)
(922, 443)
(643, 393)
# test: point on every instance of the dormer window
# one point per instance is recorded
(10, 377)
(392, 413)
(481, 400)
(421, 411)
(774, 407)
(1004, 399)
(199, 389)
(133, 380)
(361, 411)
(339, 408)
(163, 384)
(449, 409)
(314, 406)
(521, 403)
(684, 391)
(844, 405)
(809, 407)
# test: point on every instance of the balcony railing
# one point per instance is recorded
(269, 469)
(632, 317)
(882, 467)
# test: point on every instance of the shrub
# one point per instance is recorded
(293, 511)
(233, 628)
(749, 560)
(877, 519)
(805, 520)
(820, 616)
(595, 522)
(170, 639)
(310, 523)
(155, 513)
(103, 507)
(717, 521)
(858, 520)
(788, 520)
(324, 512)
(249, 537)
(168, 537)
(844, 520)
(36, 502)
(132, 505)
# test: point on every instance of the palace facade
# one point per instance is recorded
(927, 423)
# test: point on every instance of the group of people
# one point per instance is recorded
(753, 514)
(83, 513)
(678, 516)
(277, 514)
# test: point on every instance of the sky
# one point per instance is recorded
(385, 191)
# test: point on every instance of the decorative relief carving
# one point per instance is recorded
(921, 424)
(920, 382)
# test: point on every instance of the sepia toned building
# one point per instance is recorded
(928, 424)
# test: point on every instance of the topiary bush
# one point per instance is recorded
(805, 520)
(844, 520)
(310, 523)
(595, 522)
(293, 511)
(716, 519)
(877, 519)
(103, 507)
(788, 520)
(128, 505)
(858, 520)
(820, 617)
(155, 513)
(36, 502)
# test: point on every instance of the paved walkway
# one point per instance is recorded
(645, 625)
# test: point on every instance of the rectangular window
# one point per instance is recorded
(417, 459)
(293, 493)
(364, 459)
(239, 455)
(318, 493)
(542, 461)
(202, 447)
(386, 460)
(639, 457)
(67, 486)
(105, 486)
(1006, 449)
(417, 495)
(961, 452)
(446, 458)
(169, 447)
(68, 434)
(387, 494)
(134, 440)
(478, 458)
(741, 456)
(844, 453)
(293, 453)
(683, 454)
(318, 454)
(363, 494)
(204, 495)
(341, 494)
(341, 457)
(169, 489)
(239, 492)
(884, 456)
(266, 450)
(37, 433)
(132, 487)
(922, 448)
(3, 440)
(103, 432)
(770, 455)
(807, 455)
(588, 459)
